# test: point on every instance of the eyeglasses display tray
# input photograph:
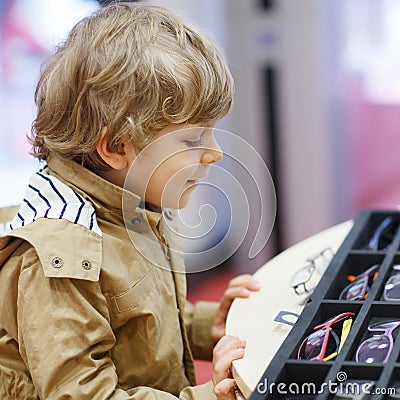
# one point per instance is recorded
(346, 342)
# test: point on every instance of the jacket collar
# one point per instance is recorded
(107, 198)
(96, 188)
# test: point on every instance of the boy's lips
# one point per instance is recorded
(195, 180)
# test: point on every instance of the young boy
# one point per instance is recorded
(92, 302)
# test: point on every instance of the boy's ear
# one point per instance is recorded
(116, 160)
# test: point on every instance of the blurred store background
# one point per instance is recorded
(318, 96)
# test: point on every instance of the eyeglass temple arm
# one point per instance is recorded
(324, 344)
(334, 320)
(373, 243)
(345, 332)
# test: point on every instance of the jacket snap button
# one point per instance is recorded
(57, 262)
(169, 214)
(86, 264)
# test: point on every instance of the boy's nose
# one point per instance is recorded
(212, 153)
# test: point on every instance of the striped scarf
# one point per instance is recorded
(48, 197)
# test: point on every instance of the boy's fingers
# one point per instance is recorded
(236, 291)
(241, 286)
(227, 343)
(225, 390)
(223, 364)
(231, 294)
(245, 280)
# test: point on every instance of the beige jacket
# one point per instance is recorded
(86, 311)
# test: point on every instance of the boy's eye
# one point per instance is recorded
(195, 143)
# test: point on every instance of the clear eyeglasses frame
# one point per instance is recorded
(306, 278)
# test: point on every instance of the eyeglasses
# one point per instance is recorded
(360, 284)
(305, 279)
(391, 291)
(377, 348)
(383, 234)
(324, 344)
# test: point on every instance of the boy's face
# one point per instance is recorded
(167, 171)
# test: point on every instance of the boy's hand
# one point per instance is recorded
(228, 348)
(240, 286)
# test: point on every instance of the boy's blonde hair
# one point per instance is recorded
(134, 68)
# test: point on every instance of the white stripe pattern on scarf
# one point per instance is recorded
(48, 197)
